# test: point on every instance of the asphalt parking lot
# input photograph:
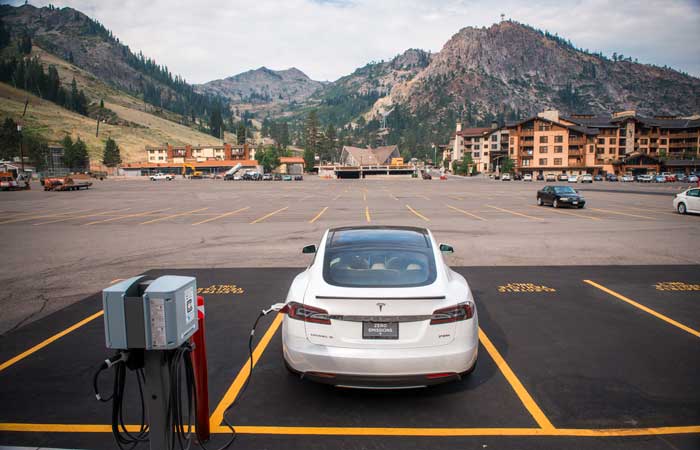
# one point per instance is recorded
(62, 246)
(570, 357)
(589, 318)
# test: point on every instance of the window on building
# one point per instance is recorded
(543, 139)
(543, 149)
(476, 147)
(512, 151)
(557, 161)
(558, 139)
(644, 141)
(494, 146)
(526, 162)
(486, 153)
(599, 150)
(662, 141)
(613, 141)
(601, 141)
(558, 149)
(543, 161)
(476, 155)
(512, 140)
(543, 127)
(494, 137)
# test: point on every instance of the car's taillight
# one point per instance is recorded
(306, 313)
(462, 311)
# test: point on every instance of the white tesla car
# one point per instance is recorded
(379, 308)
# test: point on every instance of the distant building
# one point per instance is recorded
(357, 156)
(198, 153)
(292, 165)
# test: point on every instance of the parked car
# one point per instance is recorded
(527, 177)
(681, 177)
(298, 177)
(277, 177)
(497, 177)
(162, 176)
(517, 177)
(426, 175)
(692, 178)
(598, 178)
(688, 201)
(267, 177)
(540, 177)
(670, 178)
(551, 177)
(252, 176)
(572, 179)
(586, 178)
(563, 177)
(378, 307)
(505, 177)
(611, 177)
(560, 196)
(286, 178)
(627, 178)
(659, 179)
(645, 178)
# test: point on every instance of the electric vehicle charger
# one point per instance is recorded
(181, 432)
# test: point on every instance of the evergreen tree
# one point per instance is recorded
(4, 35)
(25, 43)
(111, 156)
(9, 139)
(216, 122)
(240, 133)
(68, 153)
(311, 141)
(268, 158)
(331, 147)
(102, 103)
(75, 155)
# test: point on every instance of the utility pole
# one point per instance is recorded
(21, 150)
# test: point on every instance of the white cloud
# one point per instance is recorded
(205, 40)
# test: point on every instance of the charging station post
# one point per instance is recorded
(199, 360)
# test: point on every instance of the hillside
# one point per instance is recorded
(71, 35)
(133, 124)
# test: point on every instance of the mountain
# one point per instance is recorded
(72, 36)
(510, 67)
(264, 85)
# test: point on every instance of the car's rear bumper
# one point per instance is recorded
(379, 367)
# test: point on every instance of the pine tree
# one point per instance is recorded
(216, 122)
(102, 103)
(111, 156)
(240, 133)
(4, 35)
(81, 155)
(25, 44)
(311, 141)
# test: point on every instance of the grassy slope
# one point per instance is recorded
(54, 122)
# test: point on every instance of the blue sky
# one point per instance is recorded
(209, 39)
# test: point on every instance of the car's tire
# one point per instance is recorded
(581, 206)
(555, 203)
(682, 209)
(539, 201)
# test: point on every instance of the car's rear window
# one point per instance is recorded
(379, 258)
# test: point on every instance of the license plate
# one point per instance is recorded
(380, 330)
(575, 203)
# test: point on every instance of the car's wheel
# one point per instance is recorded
(539, 201)
(555, 203)
(682, 208)
(581, 206)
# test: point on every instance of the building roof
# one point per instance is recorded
(578, 128)
(210, 163)
(472, 132)
(291, 160)
(379, 155)
(606, 121)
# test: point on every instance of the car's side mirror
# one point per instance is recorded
(445, 248)
(309, 249)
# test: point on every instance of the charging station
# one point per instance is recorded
(150, 322)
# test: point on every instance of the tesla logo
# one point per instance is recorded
(381, 305)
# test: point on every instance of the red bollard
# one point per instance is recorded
(199, 361)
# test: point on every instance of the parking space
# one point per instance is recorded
(562, 363)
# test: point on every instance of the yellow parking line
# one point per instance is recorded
(221, 216)
(515, 383)
(230, 396)
(646, 309)
(83, 216)
(622, 214)
(465, 212)
(146, 213)
(367, 216)
(393, 196)
(21, 219)
(364, 195)
(631, 208)
(514, 212)
(46, 342)
(172, 216)
(260, 219)
(423, 196)
(568, 213)
(316, 217)
(369, 431)
(417, 213)
(453, 197)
